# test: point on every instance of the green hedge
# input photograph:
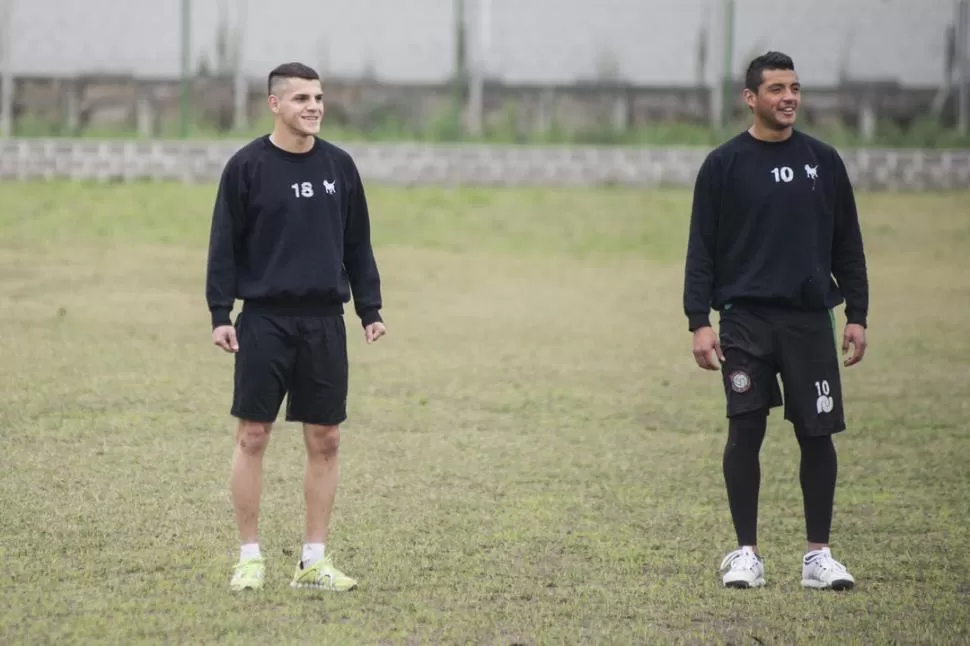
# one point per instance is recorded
(446, 127)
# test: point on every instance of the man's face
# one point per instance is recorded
(776, 103)
(298, 103)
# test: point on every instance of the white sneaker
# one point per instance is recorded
(821, 571)
(745, 569)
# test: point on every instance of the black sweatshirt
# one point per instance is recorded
(291, 231)
(772, 223)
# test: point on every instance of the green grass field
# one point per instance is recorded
(532, 455)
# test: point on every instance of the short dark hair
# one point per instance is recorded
(767, 61)
(290, 70)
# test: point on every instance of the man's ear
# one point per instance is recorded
(749, 97)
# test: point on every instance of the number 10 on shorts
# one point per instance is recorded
(824, 403)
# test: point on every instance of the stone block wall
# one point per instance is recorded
(453, 164)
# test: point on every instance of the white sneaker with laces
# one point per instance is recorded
(822, 572)
(744, 569)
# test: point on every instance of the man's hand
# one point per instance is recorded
(374, 331)
(224, 336)
(855, 335)
(706, 348)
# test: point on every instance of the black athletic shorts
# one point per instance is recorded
(760, 343)
(301, 357)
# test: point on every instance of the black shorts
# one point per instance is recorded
(760, 343)
(301, 357)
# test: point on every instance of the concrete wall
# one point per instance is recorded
(646, 42)
(875, 169)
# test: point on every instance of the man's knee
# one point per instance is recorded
(322, 440)
(746, 430)
(817, 447)
(252, 437)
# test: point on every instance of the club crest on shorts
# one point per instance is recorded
(824, 404)
(740, 381)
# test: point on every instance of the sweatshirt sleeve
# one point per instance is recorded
(848, 254)
(365, 280)
(220, 281)
(699, 269)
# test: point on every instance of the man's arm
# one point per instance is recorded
(848, 254)
(220, 280)
(699, 269)
(365, 280)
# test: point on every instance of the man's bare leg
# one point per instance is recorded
(246, 483)
(319, 485)
(247, 476)
(316, 570)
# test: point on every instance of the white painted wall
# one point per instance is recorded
(651, 41)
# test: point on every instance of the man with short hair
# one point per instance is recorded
(290, 237)
(773, 221)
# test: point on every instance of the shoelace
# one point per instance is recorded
(826, 562)
(247, 567)
(739, 560)
(321, 574)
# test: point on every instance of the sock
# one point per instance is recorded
(742, 472)
(814, 554)
(249, 551)
(312, 552)
(819, 466)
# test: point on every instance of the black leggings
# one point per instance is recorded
(742, 475)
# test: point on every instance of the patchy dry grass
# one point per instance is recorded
(531, 457)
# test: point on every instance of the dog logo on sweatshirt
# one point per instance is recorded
(330, 187)
(812, 173)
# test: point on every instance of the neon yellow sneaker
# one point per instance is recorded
(322, 575)
(247, 574)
